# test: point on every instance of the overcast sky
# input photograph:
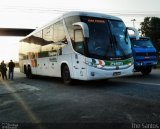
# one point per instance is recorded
(35, 13)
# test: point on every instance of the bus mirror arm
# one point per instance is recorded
(84, 27)
(136, 33)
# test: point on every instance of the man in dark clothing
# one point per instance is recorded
(0, 70)
(11, 66)
(3, 70)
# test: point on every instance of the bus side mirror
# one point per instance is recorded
(84, 27)
(136, 32)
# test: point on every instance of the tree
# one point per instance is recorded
(150, 27)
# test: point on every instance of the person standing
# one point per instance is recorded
(0, 70)
(3, 70)
(11, 66)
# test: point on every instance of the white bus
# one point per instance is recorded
(78, 45)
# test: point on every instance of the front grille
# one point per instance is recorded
(146, 54)
(143, 59)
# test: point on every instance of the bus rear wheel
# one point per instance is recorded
(66, 75)
(29, 73)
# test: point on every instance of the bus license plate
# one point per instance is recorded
(116, 73)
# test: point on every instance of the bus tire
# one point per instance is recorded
(25, 69)
(66, 75)
(146, 71)
(29, 73)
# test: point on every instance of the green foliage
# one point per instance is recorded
(150, 27)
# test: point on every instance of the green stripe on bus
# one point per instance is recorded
(114, 63)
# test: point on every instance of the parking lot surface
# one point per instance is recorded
(130, 102)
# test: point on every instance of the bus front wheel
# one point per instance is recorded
(66, 75)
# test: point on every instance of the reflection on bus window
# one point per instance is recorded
(79, 41)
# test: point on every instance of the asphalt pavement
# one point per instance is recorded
(44, 102)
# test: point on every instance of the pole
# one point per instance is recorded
(133, 20)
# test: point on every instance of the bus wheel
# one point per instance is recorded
(29, 73)
(25, 69)
(66, 75)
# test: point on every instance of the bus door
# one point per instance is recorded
(79, 65)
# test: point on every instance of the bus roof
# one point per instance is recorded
(90, 14)
(75, 13)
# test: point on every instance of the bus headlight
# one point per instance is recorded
(130, 64)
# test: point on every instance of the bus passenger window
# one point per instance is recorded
(78, 41)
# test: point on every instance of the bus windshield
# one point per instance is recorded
(143, 42)
(107, 39)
